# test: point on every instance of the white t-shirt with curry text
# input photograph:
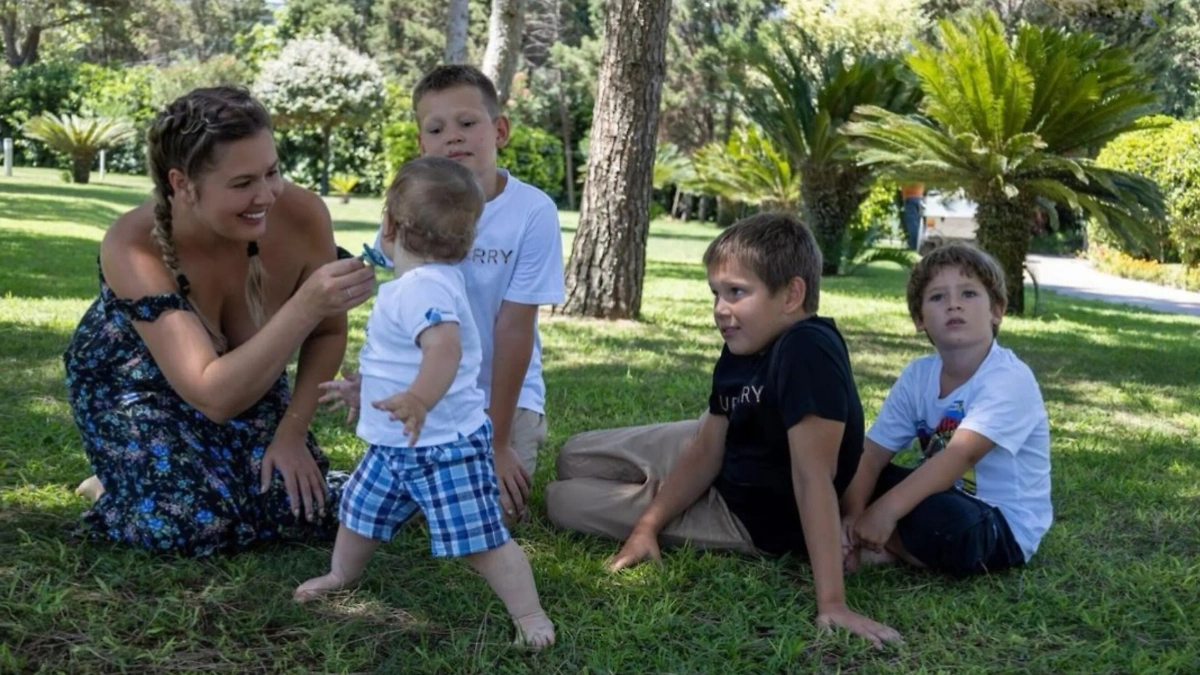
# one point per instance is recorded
(391, 356)
(517, 256)
(1001, 401)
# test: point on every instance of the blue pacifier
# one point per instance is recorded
(373, 256)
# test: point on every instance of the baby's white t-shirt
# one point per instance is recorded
(391, 356)
(517, 256)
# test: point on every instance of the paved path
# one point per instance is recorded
(1076, 277)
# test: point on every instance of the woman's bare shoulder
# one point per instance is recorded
(303, 211)
(130, 260)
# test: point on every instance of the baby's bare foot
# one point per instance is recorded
(318, 586)
(90, 488)
(534, 631)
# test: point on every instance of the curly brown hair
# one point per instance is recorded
(970, 260)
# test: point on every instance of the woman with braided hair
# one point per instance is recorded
(176, 373)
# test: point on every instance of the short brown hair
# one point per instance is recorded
(434, 204)
(446, 77)
(776, 247)
(970, 260)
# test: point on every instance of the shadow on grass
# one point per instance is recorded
(121, 194)
(58, 210)
(365, 226)
(656, 233)
(40, 266)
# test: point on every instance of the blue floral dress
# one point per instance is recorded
(173, 479)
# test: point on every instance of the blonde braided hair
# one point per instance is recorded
(185, 136)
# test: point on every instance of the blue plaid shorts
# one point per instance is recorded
(453, 484)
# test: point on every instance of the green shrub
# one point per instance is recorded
(1170, 156)
(531, 154)
(49, 86)
(125, 93)
(1113, 261)
(536, 157)
(399, 144)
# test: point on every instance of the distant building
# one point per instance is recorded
(948, 216)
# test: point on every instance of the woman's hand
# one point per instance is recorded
(337, 287)
(288, 454)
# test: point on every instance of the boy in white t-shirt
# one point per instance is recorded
(431, 441)
(514, 265)
(980, 499)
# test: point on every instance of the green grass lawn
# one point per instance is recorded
(1115, 587)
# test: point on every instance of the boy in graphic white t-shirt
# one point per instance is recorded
(431, 441)
(980, 499)
(514, 265)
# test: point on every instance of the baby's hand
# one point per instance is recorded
(407, 408)
(345, 392)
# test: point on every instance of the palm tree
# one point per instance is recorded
(1014, 124)
(809, 93)
(80, 137)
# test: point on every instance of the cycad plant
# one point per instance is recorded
(343, 184)
(80, 137)
(801, 95)
(749, 169)
(1013, 124)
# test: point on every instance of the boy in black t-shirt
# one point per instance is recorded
(764, 467)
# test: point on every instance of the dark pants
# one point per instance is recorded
(911, 219)
(952, 532)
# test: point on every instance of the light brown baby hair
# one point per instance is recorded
(434, 204)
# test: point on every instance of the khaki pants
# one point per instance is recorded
(527, 436)
(607, 479)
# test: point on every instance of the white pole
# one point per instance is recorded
(8, 149)
(102, 166)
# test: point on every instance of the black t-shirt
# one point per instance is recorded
(806, 371)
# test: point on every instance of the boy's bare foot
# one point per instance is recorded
(534, 631)
(319, 586)
(90, 488)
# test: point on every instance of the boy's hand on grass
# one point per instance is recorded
(343, 393)
(407, 408)
(640, 546)
(873, 528)
(850, 555)
(513, 479)
(844, 617)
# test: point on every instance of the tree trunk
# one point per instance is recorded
(564, 118)
(608, 259)
(1004, 232)
(504, 44)
(81, 168)
(29, 51)
(830, 193)
(456, 31)
(326, 159)
(8, 29)
(19, 52)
